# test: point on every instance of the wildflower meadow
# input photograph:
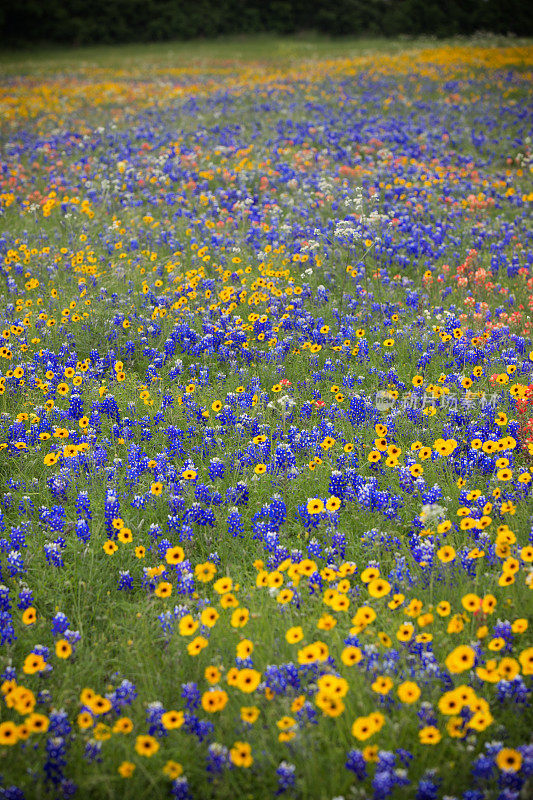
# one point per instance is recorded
(266, 422)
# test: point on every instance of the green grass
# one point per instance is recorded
(245, 50)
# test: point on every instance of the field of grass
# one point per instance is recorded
(266, 425)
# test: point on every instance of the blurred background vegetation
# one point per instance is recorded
(81, 22)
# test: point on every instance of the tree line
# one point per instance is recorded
(79, 22)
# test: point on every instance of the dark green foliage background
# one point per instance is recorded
(24, 22)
